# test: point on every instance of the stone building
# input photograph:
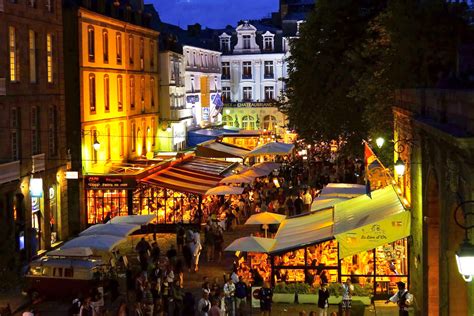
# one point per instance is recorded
(434, 137)
(33, 211)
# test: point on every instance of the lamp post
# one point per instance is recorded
(465, 254)
(400, 167)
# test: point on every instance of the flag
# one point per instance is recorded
(375, 172)
(368, 190)
(219, 105)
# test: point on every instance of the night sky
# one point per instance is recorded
(212, 13)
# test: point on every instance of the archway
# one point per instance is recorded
(432, 219)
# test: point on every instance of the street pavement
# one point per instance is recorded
(192, 281)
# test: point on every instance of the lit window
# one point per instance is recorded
(142, 93)
(153, 129)
(227, 120)
(14, 73)
(152, 92)
(32, 50)
(92, 93)
(118, 43)
(106, 93)
(49, 56)
(105, 44)
(109, 145)
(248, 122)
(247, 93)
(268, 70)
(92, 148)
(120, 93)
(131, 48)
(91, 43)
(122, 139)
(142, 53)
(247, 70)
(134, 137)
(132, 92)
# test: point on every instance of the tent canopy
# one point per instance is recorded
(120, 230)
(251, 244)
(267, 165)
(132, 219)
(265, 218)
(224, 190)
(273, 148)
(72, 252)
(343, 190)
(322, 202)
(237, 179)
(214, 149)
(304, 230)
(95, 242)
(256, 173)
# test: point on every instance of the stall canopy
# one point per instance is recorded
(304, 230)
(256, 173)
(196, 176)
(201, 135)
(120, 230)
(322, 202)
(132, 219)
(237, 179)
(72, 252)
(364, 222)
(214, 149)
(265, 218)
(251, 244)
(343, 190)
(273, 148)
(267, 166)
(95, 242)
(224, 190)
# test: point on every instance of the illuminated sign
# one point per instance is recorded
(72, 175)
(36, 187)
(107, 182)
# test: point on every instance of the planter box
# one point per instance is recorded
(308, 298)
(284, 298)
(336, 300)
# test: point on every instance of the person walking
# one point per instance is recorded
(215, 309)
(143, 248)
(307, 200)
(403, 299)
(240, 296)
(323, 300)
(298, 203)
(347, 290)
(204, 306)
(229, 293)
(196, 248)
(266, 295)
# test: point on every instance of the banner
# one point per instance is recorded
(376, 175)
(377, 234)
(256, 296)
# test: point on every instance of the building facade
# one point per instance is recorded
(434, 136)
(113, 98)
(33, 211)
(253, 68)
(202, 83)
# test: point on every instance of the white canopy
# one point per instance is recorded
(251, 244)
(132, 219)
(304, 230)
(273, 148)
(224, 190)
(72, 252)
(343, 190)
(120, 230)
(216, 149)
(255, 173)
(237, 179)
(322, 202)
(95, 242)
(267, 165)
(265, 218)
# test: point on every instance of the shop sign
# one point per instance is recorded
(256, 296)
(72, 175)
(205, 113)
(36, 187)
(104, 182)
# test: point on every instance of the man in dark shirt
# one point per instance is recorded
(298, 205)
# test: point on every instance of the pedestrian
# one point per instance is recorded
(143, 248)
(155, 252)
(139, 287)
(204, 306)
(172, 254)
(188, 256)
(215, 310)
(180, 237)
(196, 251)
(347, 290)
(234, 276)
(307, 200)
(323, 300)
(298, 205)
(403, 299)
(123, 309)
(75, 308)
(218, 244)
(240, 296)
(86, 308)
(148, 303)
(205, 284)
(209, 242)
(265, 295)
(229, 293)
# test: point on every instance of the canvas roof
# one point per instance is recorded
(343, 190)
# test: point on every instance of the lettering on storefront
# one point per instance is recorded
(101, 182)
(374, 233)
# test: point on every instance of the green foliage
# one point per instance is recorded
(336, 290)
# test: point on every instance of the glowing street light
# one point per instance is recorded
(400, 167)
(380, 141)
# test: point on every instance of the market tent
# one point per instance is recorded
(224, 190)
(251, 244)
(237, 179)
(273, 148)
(322, 202)
(343, 190)
(304, 230)
(132, 219)
(267, 165)
(120, 230)
(265, 218)
(256, 173)
(214, 149)
(72, 252)
(364, 222)
(95, 242)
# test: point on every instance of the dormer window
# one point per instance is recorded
(225, 44)
(268, 43)
(246, 41)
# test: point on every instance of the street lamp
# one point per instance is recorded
(380, 141)
(465, 254)
(400, 167)
(96, 145)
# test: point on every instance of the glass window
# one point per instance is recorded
(32, 51)
(142, 93)
(49, 5)
(152, 53)
(132, 92)
(228, 120)
(35, 135)
(93, 141)
(106, 93)
(268, 43)
(105, 204)
(246, 39)
(105, 45)
(122, 139)
(118, 43)
(225, 70)
(92, 100)
(14, 73)
(269, 93)
(247, 70)
(131, 49)
(49, 56)
(247, 95)
(91, 43)
(225, 44)
(269, 122)
(268, 74)
(109, 144)
(152, 91)
(53, 131)
(226, 98)
(248, 122)
(142, 53)
(134, 137)
(120, 93)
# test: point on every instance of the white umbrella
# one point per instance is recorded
(267, 165)
(265, 219)
(95, 242)
(132, 219)
(120, 230)
(255, 173)
(273, 148)
(252, 244)
(72, 252)
(224, 190)
(237, 179)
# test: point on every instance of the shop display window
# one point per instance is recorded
(103, 205)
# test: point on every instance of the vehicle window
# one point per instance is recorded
(58, 272)
(68, 273)
(35, 271)
(46, 271)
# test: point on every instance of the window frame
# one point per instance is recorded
(91, 43)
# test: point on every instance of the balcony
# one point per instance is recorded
(250, 104)
(3, 84)
(9, 171)
(38, 163)
(179, 114)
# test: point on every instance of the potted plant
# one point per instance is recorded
(284, 293)
(307, 294)
(361, 293)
